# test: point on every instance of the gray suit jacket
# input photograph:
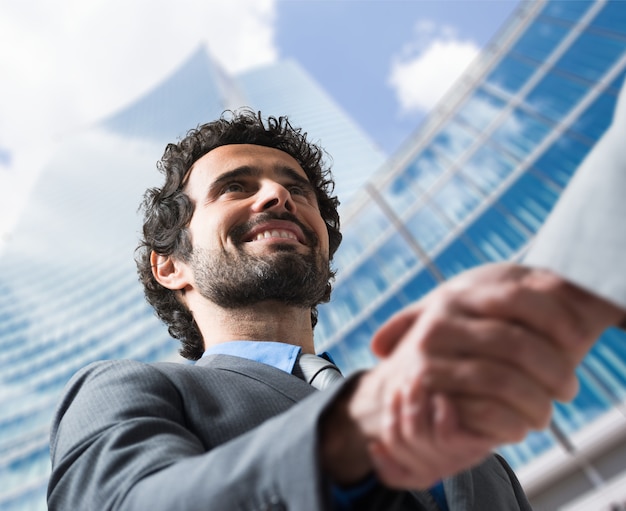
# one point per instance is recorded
(225, 434)
(584, 239)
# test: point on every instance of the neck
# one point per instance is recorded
(266, 321)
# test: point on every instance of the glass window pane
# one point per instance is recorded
(487, 168)
(343, 306)
(386, 310)
(395, 258)
(399, 194)
(496, 235)
(594, 121)
(480, 109)
(370, 222)
(456, 258)
(419, 285)
(456, 199)
(610, 383)
(571, 11)
(453, 140)
(349, 251)
(324, 328)
(590, 403)
(530, 200)
(591, 56)
(354, 352)
(616, 85)
(511, 74)
(357, 349)
(608, 357)
(425, 169)
(427, 227)
(540, 40)
(555, 95)
(612, 17)
(562, 159)
(367, 283)
(520, 133)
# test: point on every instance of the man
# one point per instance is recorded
(235, 258)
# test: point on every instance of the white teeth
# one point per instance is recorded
(275, 234)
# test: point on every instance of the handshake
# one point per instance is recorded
(474, 364)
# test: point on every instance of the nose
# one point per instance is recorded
(273, 196)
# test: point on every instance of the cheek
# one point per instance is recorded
(205, 232)
(322, 232)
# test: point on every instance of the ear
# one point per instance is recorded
(169, 272)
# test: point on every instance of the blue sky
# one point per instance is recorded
(67, 64)
(349, 48)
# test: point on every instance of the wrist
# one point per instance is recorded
(343, 440)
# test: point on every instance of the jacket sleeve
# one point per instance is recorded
(119, 441)
(584, 238)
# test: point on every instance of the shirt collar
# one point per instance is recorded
(276, 354)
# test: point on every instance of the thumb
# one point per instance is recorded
(387, 337)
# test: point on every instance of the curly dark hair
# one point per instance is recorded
(168, 210)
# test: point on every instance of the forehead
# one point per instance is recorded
(227, 158)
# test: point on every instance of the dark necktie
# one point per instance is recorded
(316, 371)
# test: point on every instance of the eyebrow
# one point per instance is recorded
(248, 171)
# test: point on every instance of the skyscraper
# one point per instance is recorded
(473, 185)
(70, 294)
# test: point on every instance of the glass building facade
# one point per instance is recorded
(475, 183)
(70, 295)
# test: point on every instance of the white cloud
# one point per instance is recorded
(428, 66)
(69, 63)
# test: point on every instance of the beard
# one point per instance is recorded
(235, 278)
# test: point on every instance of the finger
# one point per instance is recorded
(391, 332)
(487, 418)
(464, 447)
(500, 383)
(391, 420)
(430, 433)
(542, 311)
(445, 419)
(407, 433)
(417, 414)
(512, 344)
(400, 460)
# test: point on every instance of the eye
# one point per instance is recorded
(234, 187)
(298, 190)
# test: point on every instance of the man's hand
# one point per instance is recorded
(475, 364)
(536, 299)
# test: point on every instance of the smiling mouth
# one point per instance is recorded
(274, 233)
(286, 229)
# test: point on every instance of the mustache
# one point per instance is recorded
(238, 232)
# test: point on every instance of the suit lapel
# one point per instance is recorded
(287, 384)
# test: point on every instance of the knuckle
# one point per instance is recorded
(518, 348)
(435, 327)
(490, 379)
(512, 292)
